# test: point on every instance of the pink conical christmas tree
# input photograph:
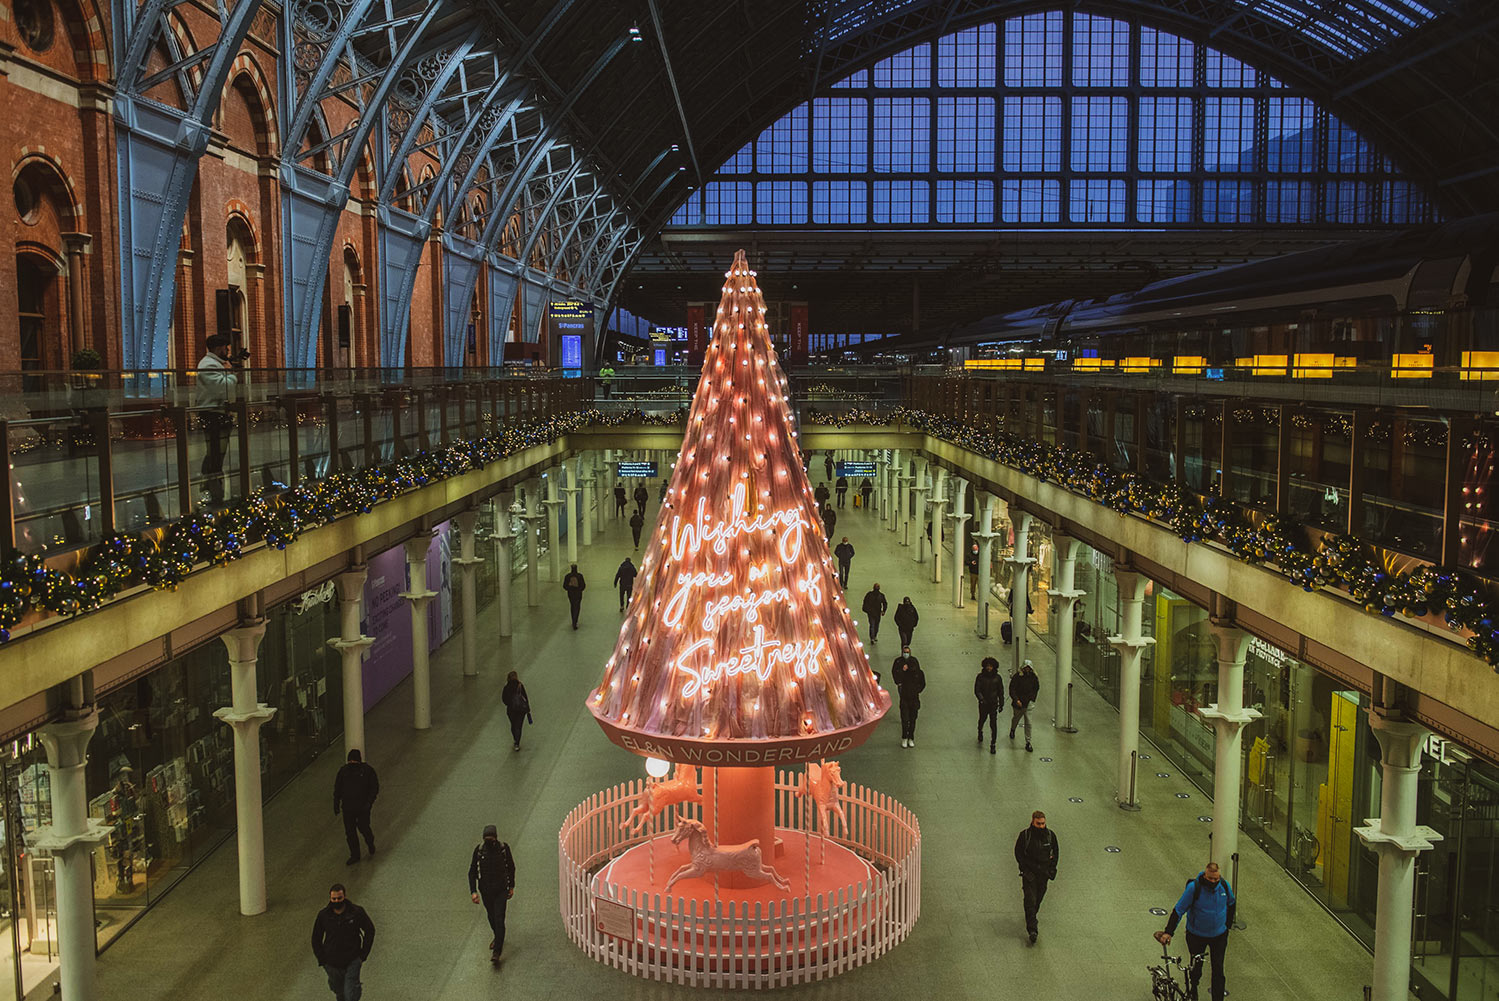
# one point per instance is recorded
(738, 647)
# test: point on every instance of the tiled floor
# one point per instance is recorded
(440, 786)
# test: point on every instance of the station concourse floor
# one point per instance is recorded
(439, 788)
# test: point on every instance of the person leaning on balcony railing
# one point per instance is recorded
(213, 387)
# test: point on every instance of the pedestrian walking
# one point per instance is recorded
(972, 563)
(827, 465)
(1029, 608)
(624, 579)
(1007, 631)
(574, 585)
(845, 554)
(1036, 853)
(342, 936)
(906, 618)
(642, 497)
(1024, 687)
(989, 689)
(910, 681)
(820, 494)
(829, 519)
(637, 522)
(842, 489)
(214, 384)
(1208, 903)
(619, 500)
(355, 788)
(517, 706)
(491, 882)
(874, 606)
(866, 490)
(661, 494)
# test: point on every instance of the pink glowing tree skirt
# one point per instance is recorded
(811, 864)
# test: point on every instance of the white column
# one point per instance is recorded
(1228, 718)
(533, 517)
(902, 526)
(986, 536)
(351, 644)
(71, 838)
(938, 502)
(247, 716)
(892, 490)
(1065, 594)
(606, 488)
(468, 565)
(573, 489)
(958, 491)
(882, 474)
(593, 504)
(504, 558)
(1130, 644)
(1397, 839)
(918, 551)
(1020, 564)
(554, 521)
(420, 597)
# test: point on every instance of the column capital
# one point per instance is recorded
(1131, 580)
(252, 719)
(416, 548)
(362, 643)
(1231, 641)
(1420, 839)
(1068, 596)
(77, 243)
(418, 599)
(243, 641)
(49, 839)
(350, 583)
(1066, 546)
(1126, 646)
(1400, 739)
(467, 562)
(1225, 719)
(66, 740)
(466, 520)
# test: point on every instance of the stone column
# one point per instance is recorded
(593, 510)
(572, 489)
(504, 558)
(1397, 839)
(351, 644)
(958, 490)
(1020, 564)
(71, 838)
(938, 502)
(420, 597)
(247, 716)
(76, 246)
(533, 517)
(901, 525)
(986, 536)
(918, 552)
(1130, 644)
(1228, 718)
(468, 563)
(554, 522)
(881, 478)
(1065, 594)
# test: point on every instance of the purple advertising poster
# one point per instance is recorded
(387, 617)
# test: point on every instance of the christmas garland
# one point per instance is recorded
(275, 518)
(1335, 561)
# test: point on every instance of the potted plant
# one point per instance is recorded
(85, 362)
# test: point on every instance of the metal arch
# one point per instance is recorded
(585, 258)
(550, 206)
(609, 252)
(589, 209)
(297, 110)
(157, 149)
(522, 173)
(423, 112)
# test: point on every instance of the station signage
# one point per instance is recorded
(856, 468)
(631, 468)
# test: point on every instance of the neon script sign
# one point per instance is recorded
(700, 663)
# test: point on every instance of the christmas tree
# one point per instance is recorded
(738, 647)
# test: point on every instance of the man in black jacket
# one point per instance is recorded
(845, 553)
(905, 620)
(989, 689)
(619, 500)
(574, 585)
(1036, 853)
(641, 495)
(1024, 687)
(637, 523)
(624, 577)
(874, 606)
(910, 681)
(342, 936)
(354, 791)
(842, 488)
(491, 881)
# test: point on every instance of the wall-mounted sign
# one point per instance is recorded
(633, 468)
(856, 468)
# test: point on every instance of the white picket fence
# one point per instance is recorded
(726, 943)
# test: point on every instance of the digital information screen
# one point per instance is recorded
(852, 469)
(641, 470)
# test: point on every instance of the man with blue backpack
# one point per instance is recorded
(1208, 904)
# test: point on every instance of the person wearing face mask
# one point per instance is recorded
(342, 936)
(491, 881)
(910, 681)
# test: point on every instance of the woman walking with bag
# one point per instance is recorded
(517, 706)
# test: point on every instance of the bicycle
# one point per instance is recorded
(1163, 983)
